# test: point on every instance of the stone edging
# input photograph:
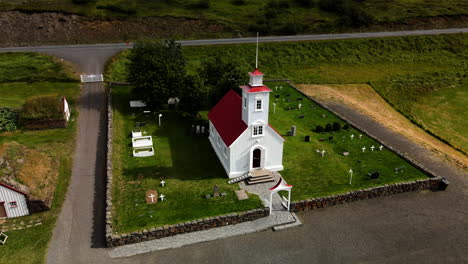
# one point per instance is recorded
(369, 193)
(114, 240)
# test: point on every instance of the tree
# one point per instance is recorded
(221, 76)
(319, 129)
(195, 95)
(157, 70)
(328, 127)
(336, 126)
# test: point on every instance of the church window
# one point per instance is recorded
(258, 105)
(258, 130)
(245, 102)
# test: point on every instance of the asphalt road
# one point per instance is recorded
(426, 227)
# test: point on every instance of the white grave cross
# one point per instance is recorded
(360, 136)
(299, 106)
(363, 149)
(163, 183)
(322, 153)
(152, 197)
(352, 136)
(162, 197)
(372, 148)
(381, 147)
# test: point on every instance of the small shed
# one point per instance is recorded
(12, 202)
(45, 111)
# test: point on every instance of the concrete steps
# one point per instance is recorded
(260, 176)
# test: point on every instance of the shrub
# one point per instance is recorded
(82, 2)
(346, 126)
(8, 119)
(238, 2)
(336, 126)
(201, 4)
(328, 128)
(319, 129)
(305, 3)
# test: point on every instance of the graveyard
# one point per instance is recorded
(184, 160)
(41, 159)
(321, 166)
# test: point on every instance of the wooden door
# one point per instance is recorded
(257, 154)
(2, 210)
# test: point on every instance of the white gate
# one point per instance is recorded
(92, 78)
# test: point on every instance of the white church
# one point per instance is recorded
(240, 134)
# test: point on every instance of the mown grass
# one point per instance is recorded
(30, 245)
(406, 71)
(187, 163)
(313, 175)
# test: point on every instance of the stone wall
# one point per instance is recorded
(115, 240)
(369, 193)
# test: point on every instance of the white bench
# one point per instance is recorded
(143, 152)
(139, 142)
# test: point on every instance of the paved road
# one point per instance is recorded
(422, 227)
(121, 46)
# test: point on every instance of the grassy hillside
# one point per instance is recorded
(272, 16)
(411, 73)
(43, 156)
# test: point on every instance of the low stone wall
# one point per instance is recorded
(187, 227)
(388, 189)
(114, 239)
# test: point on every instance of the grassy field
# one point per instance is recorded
(187, 163)
(412, 73)
(313, 175)
(30, 245)
(286, 16)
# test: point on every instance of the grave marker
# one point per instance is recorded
(363, 149)
(151, 197)
(163, 183)
(372, 148)
(322, 153)
(352, 136)
(293, 131)
(307, 138)
(162, 196)
(215, 191)
(381, 147)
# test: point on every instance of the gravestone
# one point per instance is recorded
(301, 117)
(277, 96)
(207, 196)
(307, 138)
(215, 191)
(203, 130)
(345, 153)
(330, 138)
(241, 195)
(381, 147)
(288, 95)
(374, 175)
(293, 131)
(299, 106)
(198, 129)
(300, 98)
(162, 196)
(288, 100)
(151, 196)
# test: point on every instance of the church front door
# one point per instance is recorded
(257, 154)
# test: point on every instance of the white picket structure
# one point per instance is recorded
(87, 78)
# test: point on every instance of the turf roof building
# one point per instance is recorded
(240, 133)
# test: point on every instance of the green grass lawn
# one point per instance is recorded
(15, 93)
(188, 165)
(423, 77)
(30, 245)
(313, 175)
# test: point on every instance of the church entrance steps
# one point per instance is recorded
(260, 176)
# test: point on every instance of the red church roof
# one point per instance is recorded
(226, 117)
(255, 89)
(256, 72)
